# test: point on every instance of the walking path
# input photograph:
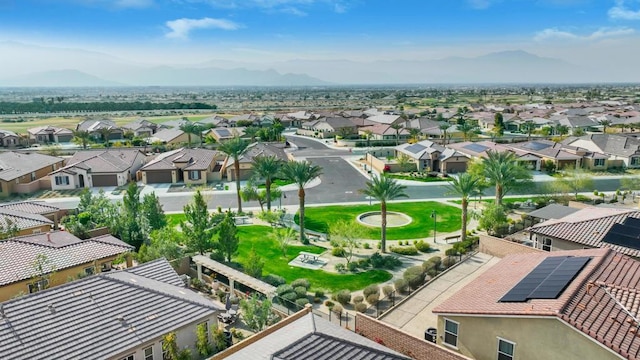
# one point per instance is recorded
(414, 315)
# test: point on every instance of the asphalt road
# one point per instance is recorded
(340, 183)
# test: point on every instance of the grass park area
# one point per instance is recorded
(448, 218)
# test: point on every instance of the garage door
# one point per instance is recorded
(158, 177)
(105, 180)
(456, 167)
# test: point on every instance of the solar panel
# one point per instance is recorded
(534, 145)
(520, 292)
(476, 147)
(633, 222)
(559, 278)
(623, 235)
(415, 148)
(223, 132)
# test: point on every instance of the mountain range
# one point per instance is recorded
(51, 66)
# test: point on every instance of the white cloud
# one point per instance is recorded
(180, 28)
(555, 34)
(621, 11)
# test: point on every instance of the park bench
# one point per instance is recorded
(452, 237)
(241, 220)
(308, 257)
(315, 236)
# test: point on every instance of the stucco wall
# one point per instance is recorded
(558, 244)
(500, 248)
(535, 338)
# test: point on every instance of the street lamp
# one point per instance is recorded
(434, 215)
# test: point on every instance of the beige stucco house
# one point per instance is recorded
(188, 166)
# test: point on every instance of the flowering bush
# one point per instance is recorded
(386, 169)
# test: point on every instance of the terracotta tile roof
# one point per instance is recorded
(14, 165)
(62, 249)
(103, 161)
(481, 297)
(198, 159)
(22, 220)
(31, 207)
(588, 227)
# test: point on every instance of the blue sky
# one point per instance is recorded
(270, 30)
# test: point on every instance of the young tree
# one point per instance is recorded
(383, 189)
(133, 229)
(405, 162)
(348, 235)
(198, 225)
(575, 180)
(267, 168)
(367, 136)
(164, 243)
(255, 313)
(235, 148)
(498, 124)
(493, 217)
(203, 345)
(170, 350)
(465, 186)
(301, 172)
(82, 138)
(283, 236)
(227, 244)
(152, 210)
(254, 264)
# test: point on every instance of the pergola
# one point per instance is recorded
(233, 275)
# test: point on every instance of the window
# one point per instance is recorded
(505, 349)
(106, 266)
(451, 333)
(89, 270)
(33, 176)
(165, 353)
(129, 357)
(62, 180)
(194, 175)
(148, 353)
(546, 244)
(38, 286)
(635, 160)
(598, 162)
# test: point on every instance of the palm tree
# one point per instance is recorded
(267, 167)
(235, 148)
(367, 135)
(300, 172)
(562, 130)
(468, 130)
(444, 127)
(465, 185)
(414, 134)
(528, 127)
(605, 124)
(502, 170)
(189, 128)
(397, 128)
(383, 189)
(105, 133)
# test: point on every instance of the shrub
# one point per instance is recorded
(361, 307)
(343, 296)
(337, 251)
(319, 293)
(423, 246)
(301, 291)
(358, 299)
(414, 276)
(283, 289)
(329, 304)
(317, 300)
(366, 246)
(387, 290)
(301, 282)
(371, 289)
(363, 263)
(353, 266)
(340, 267)
(274, 280)
(448, 262)
(302, 302)
(401, 285)
(337, 308)
(373, 299)
(289, 298)
(404, 250)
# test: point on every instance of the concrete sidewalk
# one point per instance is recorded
(414, 315)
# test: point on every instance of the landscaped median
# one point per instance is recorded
(447, 217)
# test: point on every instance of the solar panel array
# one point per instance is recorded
(548, 280)
(224, 132)
(536, 146)
(476, 147)
(626, 234)
(415, 148)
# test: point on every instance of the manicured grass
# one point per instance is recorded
(174, 219)
(276, 183)
(275, 263)
(448, 218)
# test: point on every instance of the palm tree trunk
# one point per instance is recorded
(236, 168)
(383, 227)
(498, 194)
(267, 185)
(465, 204)
(189, 140)
(301, 198)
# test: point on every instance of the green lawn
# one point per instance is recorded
(448, 218)
(276, 263)
(174, 219)
(276, 183)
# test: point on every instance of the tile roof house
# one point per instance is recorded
(480, 149)
(49, 211)
(65, 256)
(50, 134)
(384, 132)
(114, 315)
(142, 128)
(564, 156)
(308, 336)
(624, 150)
(429, 156)
(99, 167)
(24, 173)
(586, 228)
(388, 119)
(254, 150)
(579, 304)
(18, 220)
(191, 166)
(9, 139)
(174, 136)
(223, 133)
(95, 126)
(328, 127)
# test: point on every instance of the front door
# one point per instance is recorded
(81, 180)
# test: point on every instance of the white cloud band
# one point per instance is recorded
(555, 34)
(620, 11)
(180, 28)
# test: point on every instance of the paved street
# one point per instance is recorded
(339, 183)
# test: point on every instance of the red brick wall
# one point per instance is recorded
(500, 248)
(402, 342)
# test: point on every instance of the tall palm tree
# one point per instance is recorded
(235, 148)
(414, 134)
(383, 189)
(502, 170)
(465, 186)
(81, 137)
(605, 124)
(528, 127)
(189, 128)
(561, 130)
(468, 129)
(300, 172)
(397, 128)
(105, 133)
(367, 135)
(444, 127)
(267, 167)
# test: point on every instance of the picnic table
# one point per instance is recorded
(308, 257)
